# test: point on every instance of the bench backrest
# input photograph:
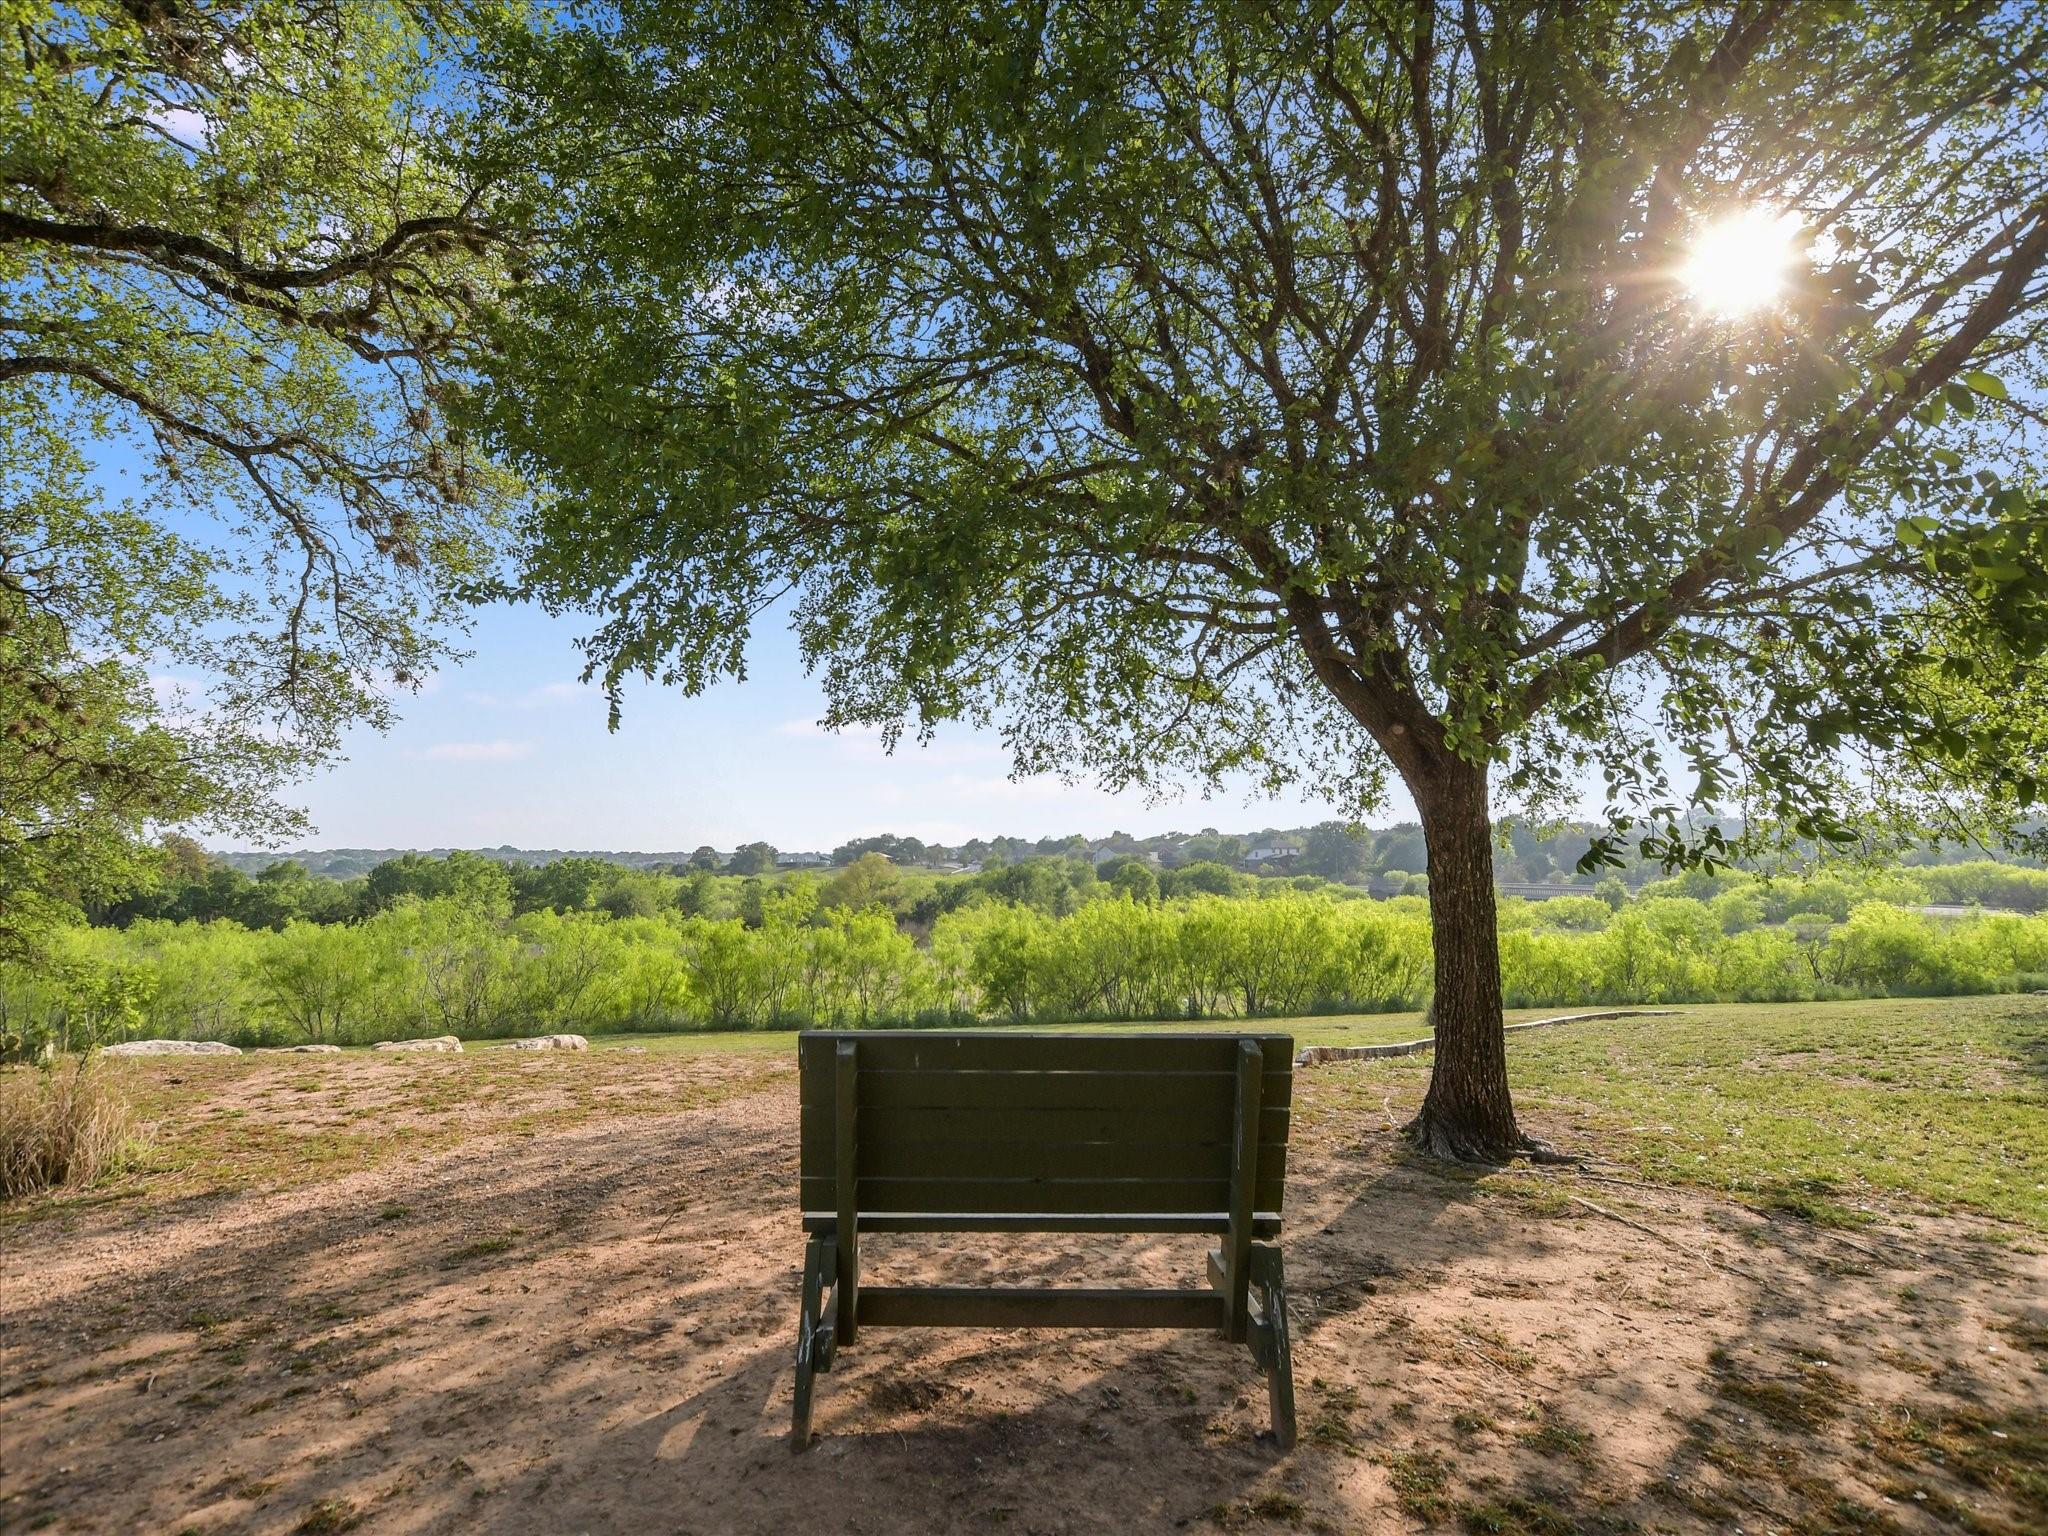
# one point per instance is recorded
(992, 1130)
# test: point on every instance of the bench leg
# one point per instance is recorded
(814, 1336)
(1270, 1342)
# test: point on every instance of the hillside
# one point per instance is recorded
(1527, 858)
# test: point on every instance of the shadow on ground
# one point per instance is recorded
(590, 1331)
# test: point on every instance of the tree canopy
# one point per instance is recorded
(1193, 389)
(1498, 395)
(239, 274)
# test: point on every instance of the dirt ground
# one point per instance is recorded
(588, 1328)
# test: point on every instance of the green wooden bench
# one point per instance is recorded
(926, 1131)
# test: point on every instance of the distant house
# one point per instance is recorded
(801, 861)
(1273, 848)
(1102, 853)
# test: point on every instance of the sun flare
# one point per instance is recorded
(1741, 262)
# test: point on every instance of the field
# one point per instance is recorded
(1801, 1288)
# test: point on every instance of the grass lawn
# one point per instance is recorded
(1337, 1029)
(1316, 1029)
(217, 1125)
(1819, 1109)
(1812, 1108)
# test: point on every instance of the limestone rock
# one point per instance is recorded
(298, 1050)
(437, 1043)
(550, 1043)
(171, 1048)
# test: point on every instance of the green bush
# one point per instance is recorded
(465, 965)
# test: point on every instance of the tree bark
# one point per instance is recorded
(1467, 1115)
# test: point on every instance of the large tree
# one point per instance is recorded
(1507, 396)
(239, 273)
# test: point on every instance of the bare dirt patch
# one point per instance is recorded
(559, 1295)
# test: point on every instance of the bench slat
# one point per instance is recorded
(1047, 1125)
(1264, 1223)
(1021, 1051)
(903, 1088)
(1044, 1196)
(1041, 1125)
(1047, 1196)
(989, 1158)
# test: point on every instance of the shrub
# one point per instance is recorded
(1576, 914)
(446, 966)
(60, 1124)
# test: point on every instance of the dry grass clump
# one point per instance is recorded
(60, 1124)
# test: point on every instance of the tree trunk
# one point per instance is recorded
(1467, 1115)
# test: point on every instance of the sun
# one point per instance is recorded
(1741, 261)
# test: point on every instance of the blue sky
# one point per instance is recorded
(508, 748)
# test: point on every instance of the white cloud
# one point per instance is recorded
(476, 751)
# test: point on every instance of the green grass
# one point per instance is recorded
(696, 1042)
(1319, 1029)
(482, 1248)
(1419, 1479)
(1553, 1437)
(1517, 1516)
(1811, 1109)
(328, 1517)
(1807, 1395)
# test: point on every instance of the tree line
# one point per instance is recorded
(197, 888)
(200, 888)
(780, 955)
(1336, 850)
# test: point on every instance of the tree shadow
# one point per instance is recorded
(1470, 1352)
(1075, 1430)
(2024, 1032)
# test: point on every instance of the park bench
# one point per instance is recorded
(983, 1131)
